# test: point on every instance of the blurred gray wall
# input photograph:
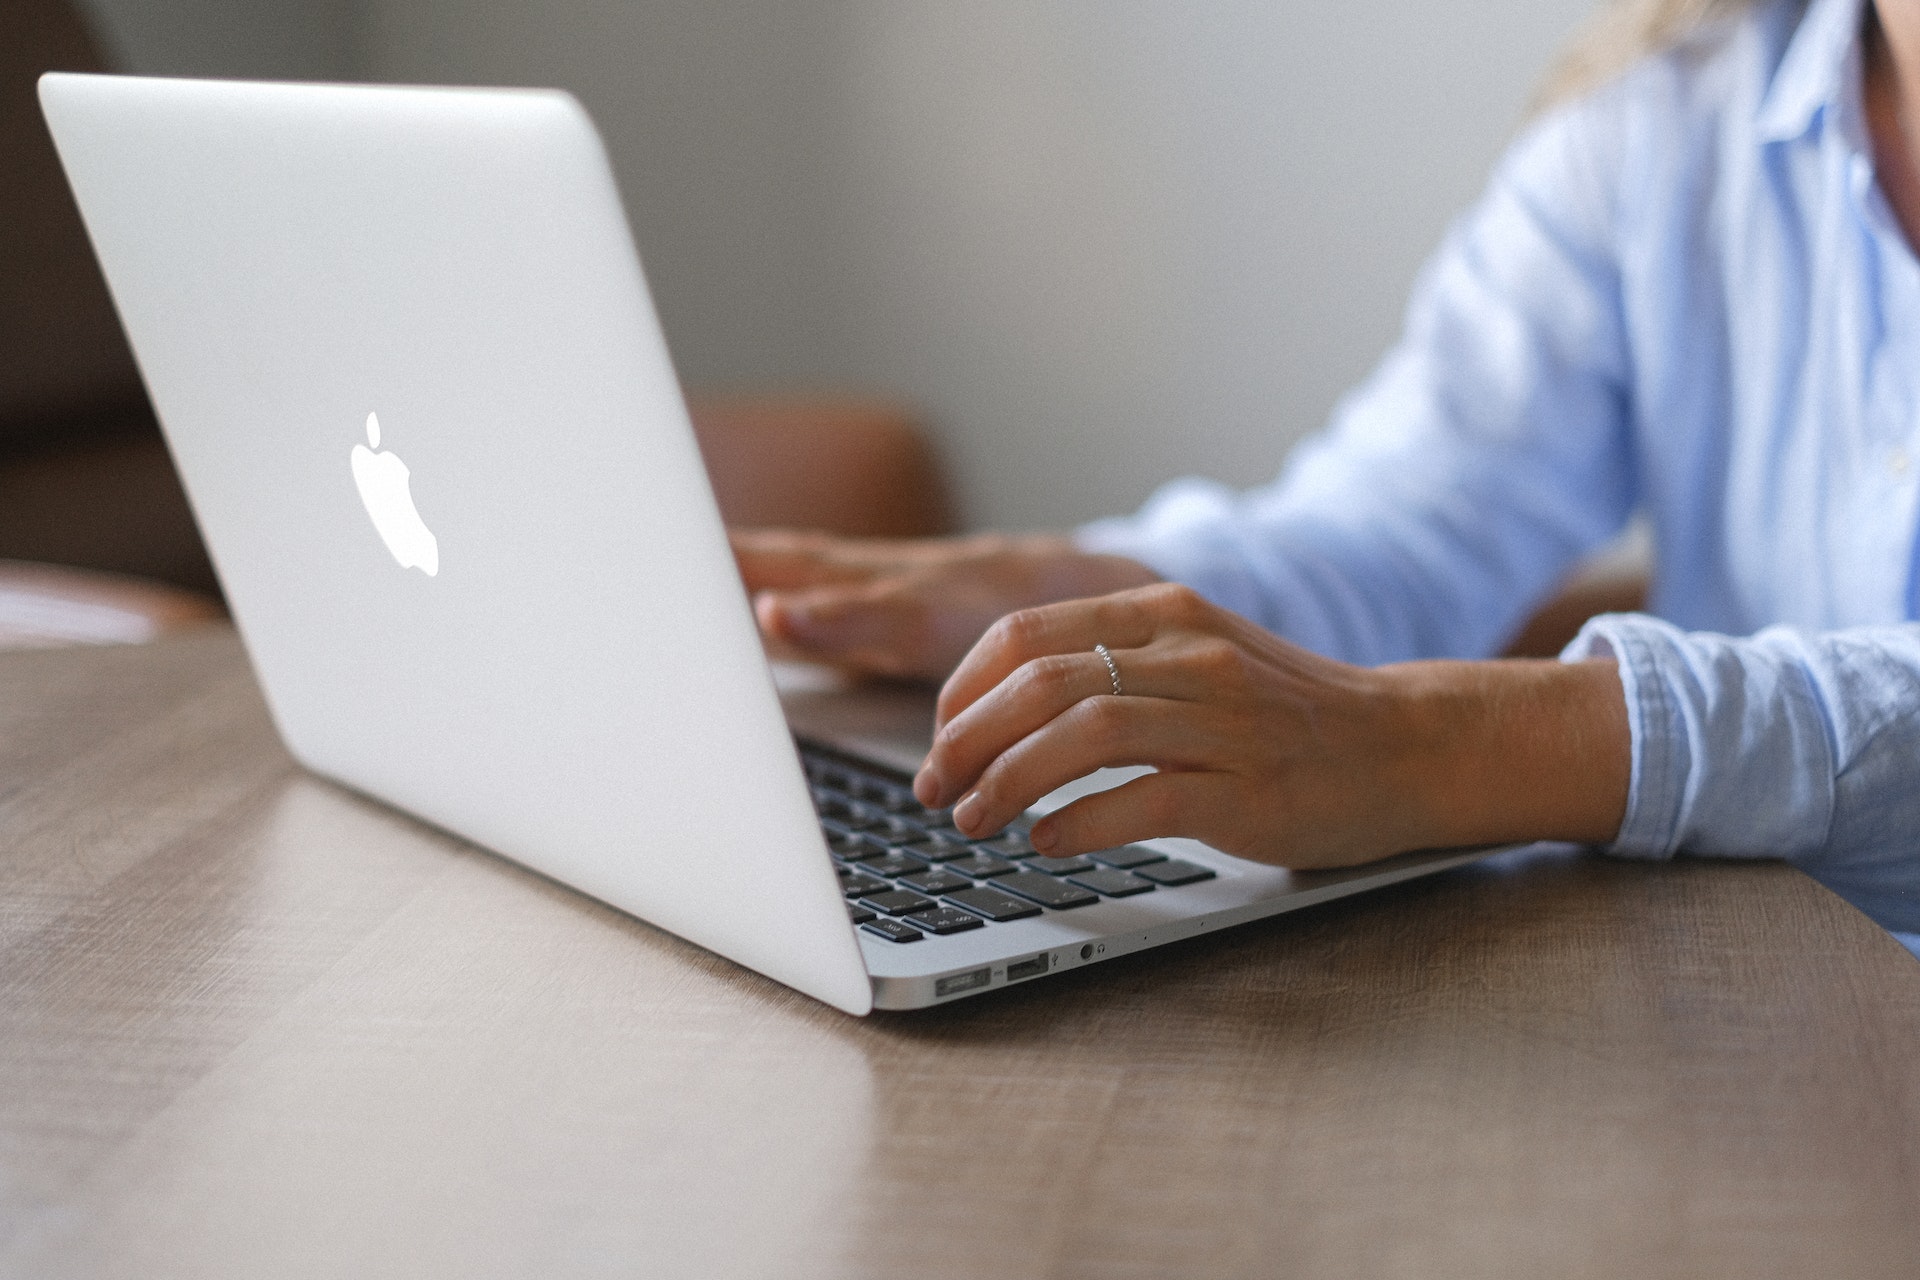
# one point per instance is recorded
(1098, 242)
(269, 39)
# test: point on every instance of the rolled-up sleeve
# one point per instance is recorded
(1783, 744)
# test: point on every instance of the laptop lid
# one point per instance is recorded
(404, 356)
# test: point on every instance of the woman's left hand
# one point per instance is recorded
(1262, 749)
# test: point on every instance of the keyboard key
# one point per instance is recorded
(893, 930)
(938, 880)
(829, 804)
(993, 904)
(1013, 844)
(937, 849)
(896, 902)
(893, 863)
(1173, 871)
(1112, 882)
(981, 866)
(894, 799)
(1045, 890)
(852, 847)
(945, 920)
(1059, 866)
(859, 913)
(855, 885)
(898, 830)
(858, 817)
(864, 786)
(1128, 856)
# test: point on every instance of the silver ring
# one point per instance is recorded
(1112, 670)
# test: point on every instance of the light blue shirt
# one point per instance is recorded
(1682, 295)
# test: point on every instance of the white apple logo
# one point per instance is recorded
(385, 489)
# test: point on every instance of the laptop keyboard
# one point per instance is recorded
(908, 872)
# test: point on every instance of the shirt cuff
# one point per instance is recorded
(1732, 749)
(1662, 748)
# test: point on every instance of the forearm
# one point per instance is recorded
(1504, 751)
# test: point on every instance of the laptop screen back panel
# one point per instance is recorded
(577, 684)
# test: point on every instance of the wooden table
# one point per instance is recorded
(253, 1026)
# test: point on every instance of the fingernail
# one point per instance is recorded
(926, 787)
(1043, 836)
(795, 619)
(966, 815)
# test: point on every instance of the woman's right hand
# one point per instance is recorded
(909, 608)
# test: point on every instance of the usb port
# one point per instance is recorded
(1030, 968)
(962, 982)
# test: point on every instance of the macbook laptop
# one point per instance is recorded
(405, 359)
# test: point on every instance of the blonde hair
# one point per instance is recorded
(1620, 34)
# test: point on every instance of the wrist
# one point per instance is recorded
(1515, 750)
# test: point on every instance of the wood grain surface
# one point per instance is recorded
(252, 1025)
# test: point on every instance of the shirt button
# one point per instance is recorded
(1899, 462)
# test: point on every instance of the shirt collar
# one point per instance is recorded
(1816, 72)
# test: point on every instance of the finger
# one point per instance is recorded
(1093, 734)
(784, 559)
(876, 629)
(1183, 668)
(1019, 705)
(771, 619)
(776, 648)
(1159, 804)
(1125, 620)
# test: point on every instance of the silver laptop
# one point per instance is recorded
(405, 358)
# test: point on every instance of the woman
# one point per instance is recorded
(1690, 291)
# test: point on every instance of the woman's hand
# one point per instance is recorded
(908, 607)
(1262, 749)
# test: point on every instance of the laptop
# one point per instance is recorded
(404, 356)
